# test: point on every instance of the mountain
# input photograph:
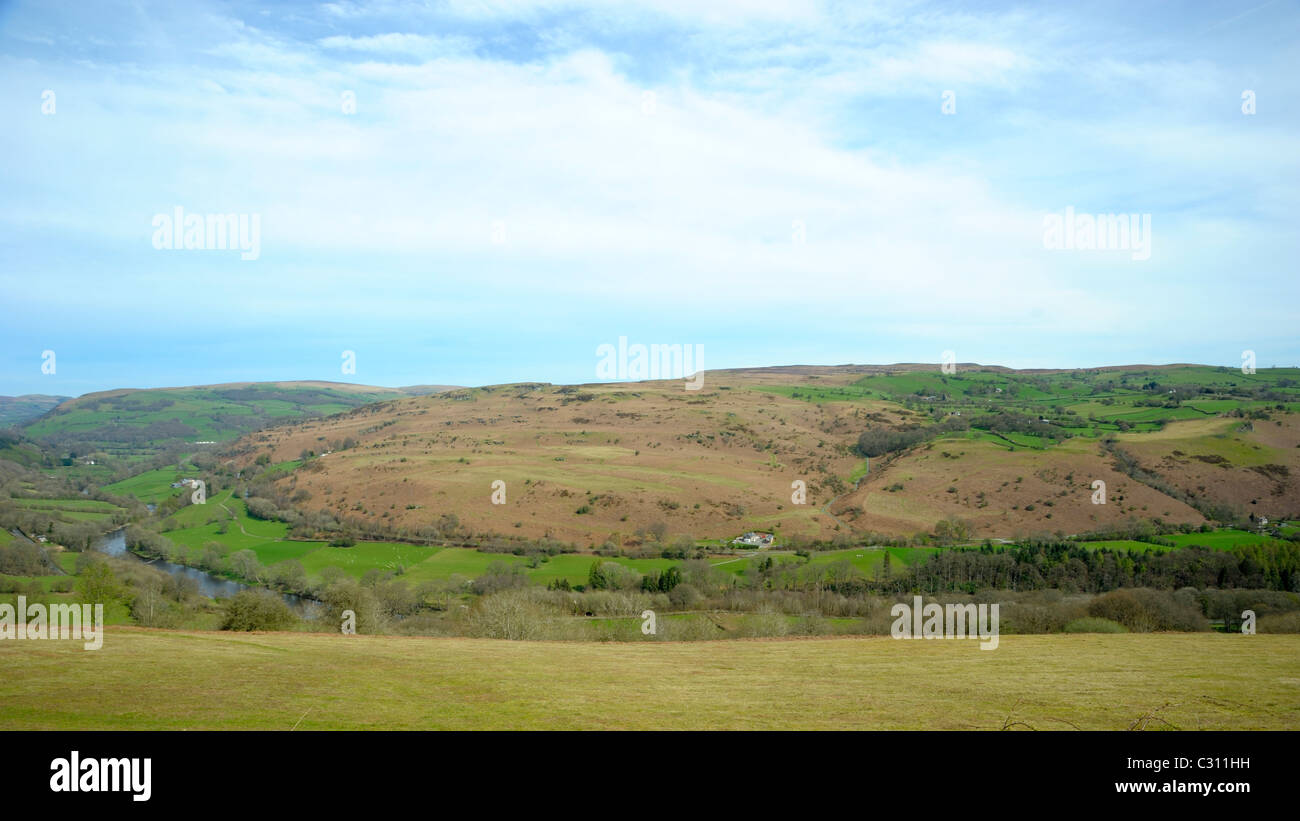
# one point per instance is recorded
(892, 449)
(15, 410)
(130, 423)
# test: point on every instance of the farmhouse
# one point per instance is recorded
(752, 539)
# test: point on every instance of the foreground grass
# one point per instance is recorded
(144, 679)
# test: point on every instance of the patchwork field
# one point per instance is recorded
(152, 486)
(144, 679)
(201, 525)
(870, 560)
(71, 510)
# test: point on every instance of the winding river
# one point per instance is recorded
(114, 544)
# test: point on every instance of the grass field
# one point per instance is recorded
(145, 679)
(1123, 544)
(152, 486)
(72, 510)
(866, 559)
(1219, 539)
(268, 540)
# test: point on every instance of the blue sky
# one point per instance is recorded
(775, 181)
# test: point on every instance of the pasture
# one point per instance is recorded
(175, 680)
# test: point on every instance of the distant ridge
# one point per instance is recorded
(15, 410)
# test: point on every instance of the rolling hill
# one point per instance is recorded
(15, 410)
(133, 424)
(1002, 453)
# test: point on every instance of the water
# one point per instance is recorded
(114, 544)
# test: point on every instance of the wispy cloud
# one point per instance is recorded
(788, 162)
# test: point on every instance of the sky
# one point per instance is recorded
(480, 192)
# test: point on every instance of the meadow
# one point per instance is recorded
(869, 560)
(172, 680)
(195, 526)
(71, 510)
(152, 486)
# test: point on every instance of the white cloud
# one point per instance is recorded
(393, 43)
(606, 205)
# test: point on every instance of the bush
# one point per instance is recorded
(1094, 625)
(511, 614)
(23, 558)
(694, 628)
(1281, 623)
(767, 622)
(1143, 610)
(684, 597)
(349, 594)
(256, 610)
(500, 576)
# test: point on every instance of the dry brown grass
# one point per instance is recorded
(144, 679)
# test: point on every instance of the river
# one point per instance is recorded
(114, 544)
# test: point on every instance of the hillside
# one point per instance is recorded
(15, 410)
(1003, 453)
(131, 424)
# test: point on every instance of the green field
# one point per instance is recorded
(363, 556)
(173, 680)
(866, 559)
(152, 486)
(1219, 539)
(1083, 403)
(1122, 545)
(269, 540)
(72, 510)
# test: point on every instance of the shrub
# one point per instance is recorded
(1280, 623)
(349, 594)
(511, 614)
(1094, 625)
(500, 576)
(767, 622)
(1143, 610)
(256, 610)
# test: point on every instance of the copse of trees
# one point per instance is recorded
(1070, 567)
(879, 441)
(1012, 422)
(23, 558)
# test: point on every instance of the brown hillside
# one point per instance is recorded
(599, 462)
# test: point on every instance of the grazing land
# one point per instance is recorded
(144, 679)
(1014, 454)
